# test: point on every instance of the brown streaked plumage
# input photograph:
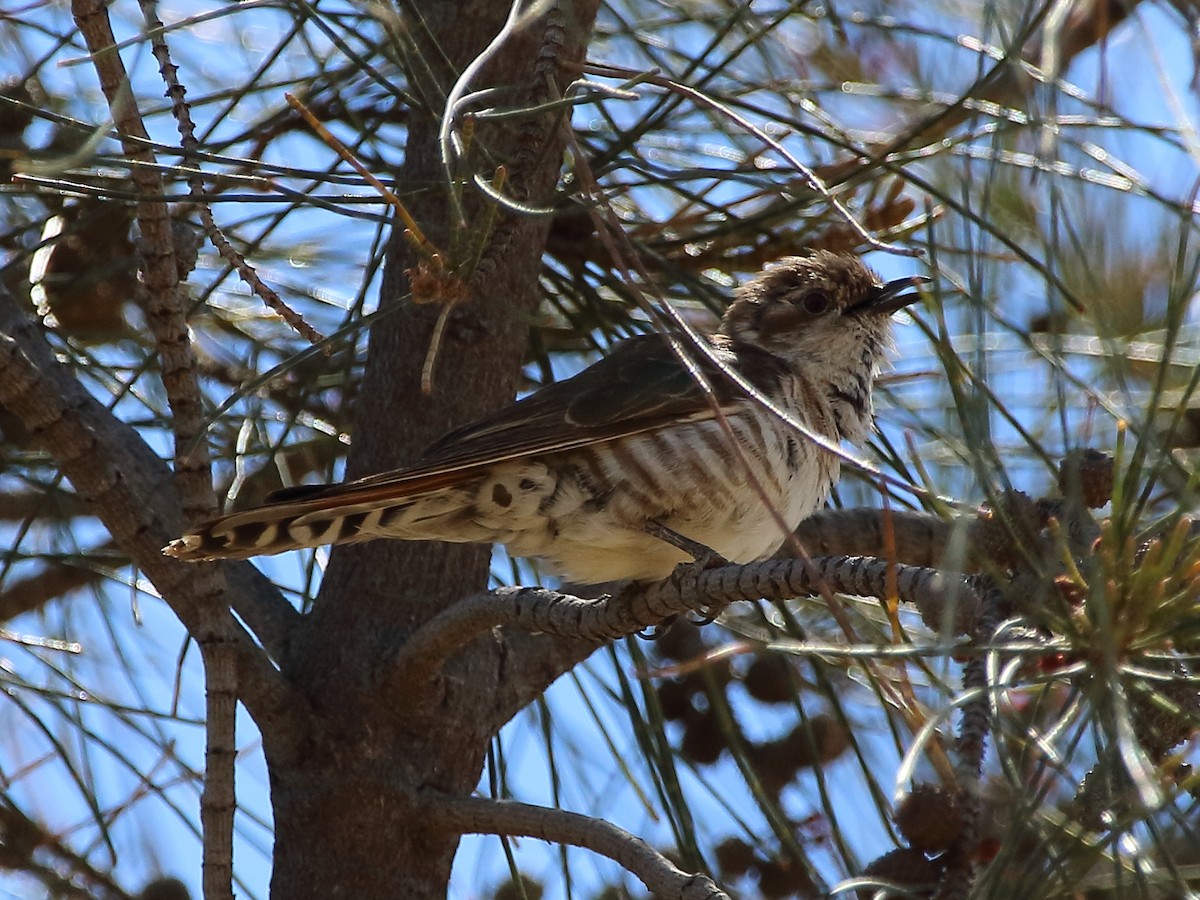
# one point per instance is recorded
(573, 474)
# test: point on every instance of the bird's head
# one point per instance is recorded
(823, 309)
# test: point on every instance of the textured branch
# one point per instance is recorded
(919, 538)
(635, 609)
(123, 482)
(218, 801)
(195, 179)
(210, 624)
(479, 815)
(164, 307)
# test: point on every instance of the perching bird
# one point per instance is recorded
(582, 472)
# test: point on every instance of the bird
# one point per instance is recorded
(632, 466)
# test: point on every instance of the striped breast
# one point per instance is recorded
(691, 478)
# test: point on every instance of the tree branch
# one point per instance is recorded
(209, 621)
(480, 815)
(919, 538)
(164, 308)
(939, 600)
(130, 489)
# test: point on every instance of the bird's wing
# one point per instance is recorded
(641, 386)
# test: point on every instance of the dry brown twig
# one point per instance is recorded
(432, 280)
(187, 135)
(167, 317)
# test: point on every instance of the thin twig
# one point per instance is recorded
(412, 230)
(218, 801)
(195, 180)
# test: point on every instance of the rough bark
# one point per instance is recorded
(358, 760)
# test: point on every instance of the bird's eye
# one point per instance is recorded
(816, 303)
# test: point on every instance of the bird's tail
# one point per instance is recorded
(313, 515)
(271, 529)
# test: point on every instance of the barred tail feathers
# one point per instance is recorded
(279, 527)
(268, 530)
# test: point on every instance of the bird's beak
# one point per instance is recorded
(885, 299)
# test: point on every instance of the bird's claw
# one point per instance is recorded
(654, 632)
(704, 561)
(709, 559)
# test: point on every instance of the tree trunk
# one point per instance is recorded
(342, 780)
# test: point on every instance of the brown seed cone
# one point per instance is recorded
(780, 879)
(681, 641)
(1158, 728)
(734, 857)
(774, 764)
(703, 740)
(824, 740)
(1091, 472)
(165, 889)
(675, 698)
(525, 888)
(1097, 800)
(700, 679)
(904, 866)
(930, 818)
(769, 680)
(1000, 532)
(14, 119)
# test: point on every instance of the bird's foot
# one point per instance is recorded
(703, 556)
(708, 559)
